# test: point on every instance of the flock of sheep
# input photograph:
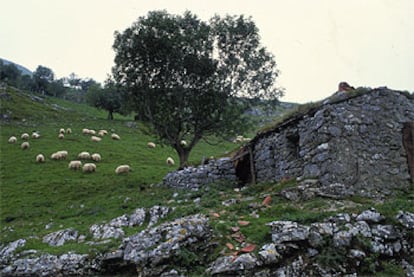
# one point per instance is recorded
(88, 166)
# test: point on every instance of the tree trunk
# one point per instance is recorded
(183, 155)
(110, 115)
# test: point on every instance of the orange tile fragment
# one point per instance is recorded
(243, 222)
(248, 248)
(266, 202)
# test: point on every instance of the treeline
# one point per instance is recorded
(72, 88)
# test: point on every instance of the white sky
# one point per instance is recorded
(316, 43)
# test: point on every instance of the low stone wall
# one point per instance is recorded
(195, 177)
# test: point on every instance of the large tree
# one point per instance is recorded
(183, 75)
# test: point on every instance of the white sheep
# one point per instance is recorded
(102, 133)
(96, 157)
(170, 161)
(95, 139)
(151, 145)
(75, 165)
(240, 139)
(85, 131)
(25, 136)
(35, 135)
(12, 139)
(183, 143)
(63, 154)
(40, 158)
(115, 136)
(61, 131)
(89, 167)
(123, 169)
(92, 132)
(25, 145)
(84, 155)
(68, 131)
(56, 156)
(61, 136)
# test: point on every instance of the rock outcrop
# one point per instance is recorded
(344, 244)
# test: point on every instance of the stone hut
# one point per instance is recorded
(362, 139)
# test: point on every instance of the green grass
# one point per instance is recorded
(33, 195)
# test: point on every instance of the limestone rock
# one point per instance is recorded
(59, 238)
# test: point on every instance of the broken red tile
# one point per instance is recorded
(216, 215)
(243, 222)
(230, 246)
(248, 248)
(235, 228)
(266, 202)
(239, 237)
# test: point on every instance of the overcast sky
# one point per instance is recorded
(316, 43)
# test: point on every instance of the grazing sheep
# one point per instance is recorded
(96, 157)
(89, 167)
(240, 139)
(95, 139)
(123, 169)
(63, 154)
(12, 139)
(61, 131)
(68, 131)
(92, 132)
(151, 145)
(115, 137)
(57, 156)
(170, 161)
(84, 155)
(25, 145)
(75, 165)
(102, 133)
(183, 143)
(35, 135)
(85, 131)
(40, 158)
(25, 136)
(61, 136)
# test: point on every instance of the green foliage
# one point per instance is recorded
(182, 74)
(108, 98)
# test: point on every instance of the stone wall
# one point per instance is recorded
(356, 142)
(194, 177)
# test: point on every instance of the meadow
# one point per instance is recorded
(34, 195)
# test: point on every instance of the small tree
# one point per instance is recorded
(108, 98)
(183, 75)
(42, 77)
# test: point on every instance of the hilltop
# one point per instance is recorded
(22, 69)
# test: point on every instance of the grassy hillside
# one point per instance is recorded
(34, 195)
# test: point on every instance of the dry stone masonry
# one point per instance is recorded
(354, 141)
(195, 177)
(357, 142)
